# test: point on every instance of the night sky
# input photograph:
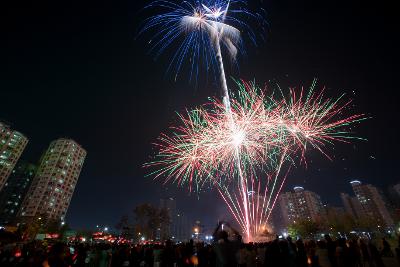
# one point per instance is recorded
(76, 69)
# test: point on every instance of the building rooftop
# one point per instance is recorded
(298, 188)
(355, 182)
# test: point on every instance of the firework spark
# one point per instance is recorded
(248, 147)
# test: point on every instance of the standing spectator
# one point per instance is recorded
(57, 256)
(375, 255)
(148, 256)
(261, 254)
(251, 255)
(354, 254)
(292, 252)
(105, 256)
(321, 254)
(273, 254)
(168, 255)
(157, 254)
(386, 250)
(225, 250)
(331, 246)
(241, 256)
(365, 255)
(311, 247)
(341, 253)
(301, 259)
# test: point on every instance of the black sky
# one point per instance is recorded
(75, 69)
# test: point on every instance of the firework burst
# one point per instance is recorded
(242, 152)
(200, 31)
(197, 28)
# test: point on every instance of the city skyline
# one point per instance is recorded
(369, 206)
(42, 189)
(88, 78)
(352, 205)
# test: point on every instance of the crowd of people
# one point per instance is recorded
(223, 252)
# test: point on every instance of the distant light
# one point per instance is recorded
(355, 182)
(106, 229)
(62, 223)
(83, 239)
(143, 238)
(285, 234)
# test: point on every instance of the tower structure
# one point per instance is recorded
(12, 144)
(54, 183)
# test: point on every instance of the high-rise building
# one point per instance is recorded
(352, 206)
(372, 204)
(394, 195)
(14, 191)
(168, 204)
(277, 221)
(396, 188)
(300, 205)
(54, 183)
(179, 229)
(12, 144)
